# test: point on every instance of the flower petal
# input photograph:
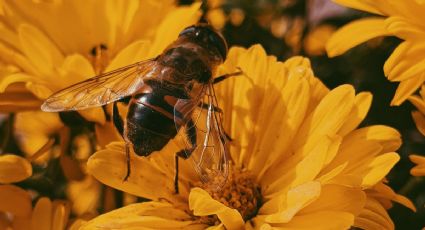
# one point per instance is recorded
(407, 88)
(362, 103)
(43, 54)
(373, 216)
(15, 200)
(109, 166)
(418, 102)
(354, 33)
(296, 199)
(168, 31)
(42, 214)
(327, 118)
(203, 204)
(147, 215)
(379, 167)
(419, 119)
(323, 220)
(368, 6)
(136, 51)
(84, 195)
(389, 138)
(14, 169)
(337, 198)
(419, 169)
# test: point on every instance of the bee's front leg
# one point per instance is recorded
(225, 76)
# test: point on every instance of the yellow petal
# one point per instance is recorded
(109, 167)
(301, 168)
(84, 195)
(14, 78)
(354, 33)
(168, 30)
(136, 51)
(389, 138)
(15, 200)
(419, 169)
(147, 215)
(14, 169)
(327, 118)
(384, 191)
(407, 88)
(380, 167)
(361, 5)
(39, 49)
(296, 199)
(419, 119)
(417, 159)
(42, 214)
(203, 204)
(106, 134)
(34, 129)
(361, 106)
(75, 68)
(294, 96)
(337, 198)
(323, 220)
(60, 215)
(418, 102)
(373, 216)
(403, 28)
(397, 58)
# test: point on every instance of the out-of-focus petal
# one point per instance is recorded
(14, 169)
(15, 200)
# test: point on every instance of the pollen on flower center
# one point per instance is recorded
(240, 192)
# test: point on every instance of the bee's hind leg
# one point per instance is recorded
(119, 125)
(127, 156)
(185, 153)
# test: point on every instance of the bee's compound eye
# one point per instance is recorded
(187, 31)
(219, 43)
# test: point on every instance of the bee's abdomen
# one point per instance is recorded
(150, 121)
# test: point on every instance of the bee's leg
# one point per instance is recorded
(225, 76)
(119, 125)
(127, 156)
(185, 153)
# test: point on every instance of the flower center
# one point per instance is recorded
(240, 192)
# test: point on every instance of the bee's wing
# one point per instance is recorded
(102, 89)
(200, 128)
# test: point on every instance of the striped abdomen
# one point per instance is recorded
(150, 118)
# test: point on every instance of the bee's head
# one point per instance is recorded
(206, 36)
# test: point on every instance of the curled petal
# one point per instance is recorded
(203, 204)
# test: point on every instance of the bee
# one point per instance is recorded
(170, 95)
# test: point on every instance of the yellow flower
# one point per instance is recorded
(48, 45)
(419, 169)
(419, 118)
(18, 213)
(298, 159)
(403, 19)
